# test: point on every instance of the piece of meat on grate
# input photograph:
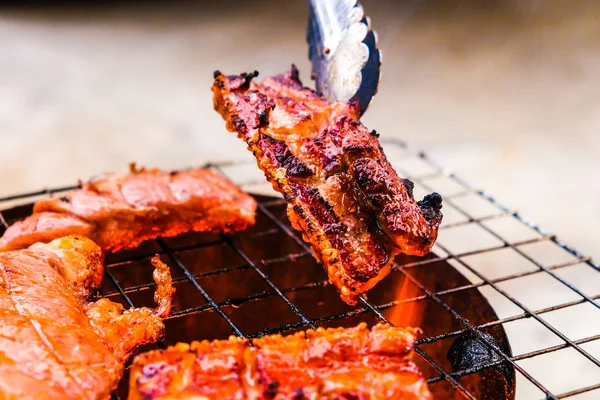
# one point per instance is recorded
(342, 192)
(54, 344)
(335, 363)
(121, 212)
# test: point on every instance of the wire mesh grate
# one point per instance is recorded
(265, 281)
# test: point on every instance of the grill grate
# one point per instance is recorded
(248, 285)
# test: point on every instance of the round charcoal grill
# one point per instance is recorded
(266, 281)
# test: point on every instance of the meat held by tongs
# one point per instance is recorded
(351, 206)
(342, 193)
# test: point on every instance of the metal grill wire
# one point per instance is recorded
(365, 307)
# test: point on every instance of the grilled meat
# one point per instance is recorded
(53, 343)
(121, 212)
(353, 363)
(342, 192)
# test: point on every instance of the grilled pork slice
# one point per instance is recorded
(342, 192)
(121, 212)
(54, 344)
(353, 363)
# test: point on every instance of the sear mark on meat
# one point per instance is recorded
(284, 157)
(319, 209)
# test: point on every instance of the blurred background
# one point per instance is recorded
(504, 93)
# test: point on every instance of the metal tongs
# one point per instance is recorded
(343, 51)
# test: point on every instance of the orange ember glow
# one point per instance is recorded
(408, 311)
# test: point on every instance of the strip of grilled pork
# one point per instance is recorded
(342, 193)
(121, 212)
(326, 364)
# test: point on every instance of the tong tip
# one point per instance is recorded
(343, 51)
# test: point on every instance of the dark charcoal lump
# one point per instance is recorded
(470, 352)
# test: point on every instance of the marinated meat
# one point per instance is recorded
(121, 212)
(53, 343)
(342, 193)
(325, 364)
